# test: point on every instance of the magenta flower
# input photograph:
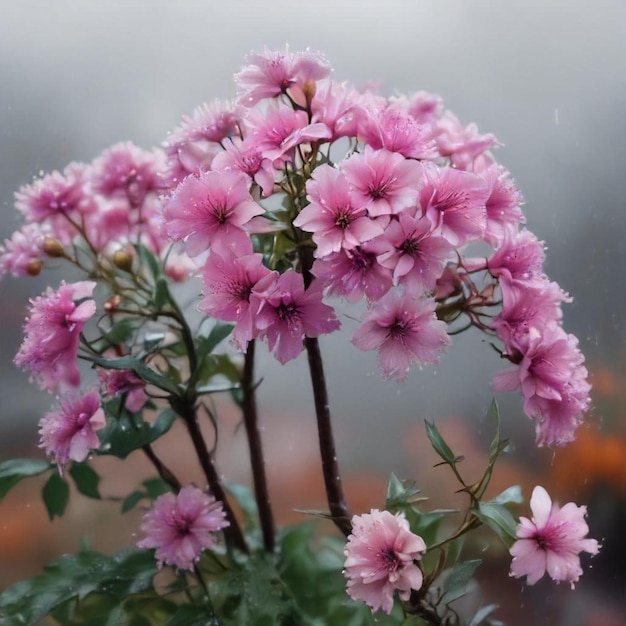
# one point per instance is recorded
(384, 182)
(211, 210)
(126, 383)
(287, 314)
(380, 557)
(552, 541)
(405, 330)
(22, 255)
(332, 217)
(180, 526)
(70, 433)
(229, 280)
(52, 334)
(520, 256)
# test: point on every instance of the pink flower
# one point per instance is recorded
(70, 433)
(287, 314)
(229, 280)
(352, 273)
(455, 200)
(181, 526)
(332, 217)
(404, 330)
(380, 558)
(270, 74)
(384, 182)
(211, 210)
(52, 334)
(552, 541)
(520, 256)
(124, 382)
(22, 255)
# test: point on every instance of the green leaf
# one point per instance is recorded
(401, 494)
(86, 480)
(154, 487)
(121, 332)
(512, 495)
(193, 615)
(125, 433)
(456, 584)
(75, 577)
(132, 500)
(14, 470)
(499, 519)
(482, 614)
(55, 493)
(218, 333)
(439, 445)
(150, 261)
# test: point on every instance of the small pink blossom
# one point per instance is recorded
(383, 182)
(126, 383)
(455, 201)
(271, 73)
(332, 216)
(180, 526)
(404, 330)
(229, 281)
(70, 433)
(211, 210)
(552, 541)
(52, 334)
(22, 255)
(380, 558)
(520, 256)
(288, 313)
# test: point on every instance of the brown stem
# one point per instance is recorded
(330, 467)
(164, 472)
(250, 418)
(187, 411)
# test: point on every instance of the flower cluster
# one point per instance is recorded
(301, 191)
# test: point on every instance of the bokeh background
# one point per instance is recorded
(547, 78)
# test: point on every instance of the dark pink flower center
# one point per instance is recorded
(398, 328)
(450, 200)
(389, 559)
(410, 246)
(380, 189)
(287, 311)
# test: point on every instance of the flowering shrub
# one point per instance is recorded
(301, 192)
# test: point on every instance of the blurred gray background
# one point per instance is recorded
(547, 78)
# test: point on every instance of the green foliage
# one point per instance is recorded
(14, 470)
(55, 494)
(126, 432)
(439, 444)
(86, 480)
(153, 488)
(82, 589)
(456, 584)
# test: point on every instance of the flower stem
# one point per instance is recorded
(250, 418)
(164, 472)
(330, 468)
(187, 411)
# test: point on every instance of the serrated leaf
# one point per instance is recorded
(14, 470)
(86, 480)
(499, 519)
(55, 494)
(438, 443)
(456, 584)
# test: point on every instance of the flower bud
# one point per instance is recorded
(112, 303)
(34, 267)
(123, 260)
(53, 247)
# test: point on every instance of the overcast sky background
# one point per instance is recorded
(547, 78)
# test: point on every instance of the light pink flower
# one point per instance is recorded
(353, 273)
(380, 558)
(271, 73)
(180, 526)
(288, 313)
(455, 201)
(334, 105)
(70, 433)
(520, 256)
(405, 330)
(552, 541)
(229, 281)
(416, 255)
(332, 216)
(211, 210)
(384, 182)
(52, 334)
(22, 255)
